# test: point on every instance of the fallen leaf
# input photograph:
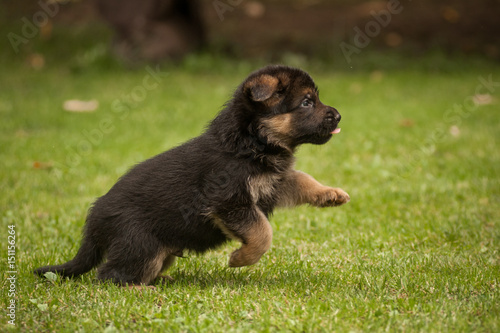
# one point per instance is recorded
(450, 14)
(455, 131)
(407, 123)
(43, 307)
(52, 277)
(75, 105)
(393, 39)
(356, 88)
(254, 9)
(46, 30)
(42, 215)
(482, 99)
(36, 60)
(42, 165)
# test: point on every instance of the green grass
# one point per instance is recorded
(416, 249)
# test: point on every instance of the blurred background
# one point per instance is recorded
(272, 30)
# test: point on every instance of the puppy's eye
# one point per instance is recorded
(306, 103)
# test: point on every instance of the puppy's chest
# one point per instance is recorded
(264, 186)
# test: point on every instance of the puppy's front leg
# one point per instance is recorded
(255, 234)
(299, 188)
(256, 241)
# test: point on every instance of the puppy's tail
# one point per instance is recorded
(88, 256)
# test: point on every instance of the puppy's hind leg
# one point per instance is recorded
(134, 262)
(167, 263)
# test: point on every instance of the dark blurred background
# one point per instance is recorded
(154, 30)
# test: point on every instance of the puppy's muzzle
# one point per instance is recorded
(332, 119)
(332, 115)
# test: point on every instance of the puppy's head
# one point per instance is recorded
(286, 108)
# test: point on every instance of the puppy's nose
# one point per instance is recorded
(335, 114)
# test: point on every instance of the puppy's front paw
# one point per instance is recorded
(236, 259)
(242, 257)
(331, 197)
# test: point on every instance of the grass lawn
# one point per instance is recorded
(416, 249)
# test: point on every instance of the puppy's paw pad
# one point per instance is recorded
(342, 197)
(332, 197)
(236, 259)
(242, 257)
(165, 279)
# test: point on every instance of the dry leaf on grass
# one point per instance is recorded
(455, 131)
(75, 105)
(406, 122)
(254, 9)
(42, 165)
(482, 99)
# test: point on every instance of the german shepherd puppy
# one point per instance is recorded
(219, 186)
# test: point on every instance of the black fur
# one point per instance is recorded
(170, 202)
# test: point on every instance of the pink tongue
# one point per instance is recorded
(337, 130)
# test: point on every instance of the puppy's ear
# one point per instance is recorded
(261, 88)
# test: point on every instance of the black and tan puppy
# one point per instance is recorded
(221, 185)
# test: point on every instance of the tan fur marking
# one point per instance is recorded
(284, 79)
(219, 224)
(154, 267)
(262, 186)
(278, 129)
(169, 261)
(307, 91)
(262, 87)
(268, 80)
(257, 241)
(300, 188)
(306, 187)
(273, 100)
